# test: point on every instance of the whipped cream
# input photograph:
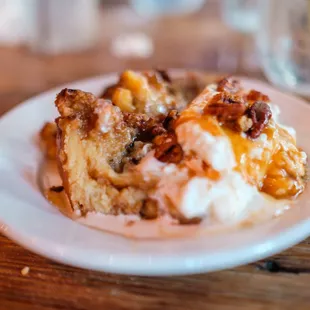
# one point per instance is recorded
(227, 200)
(224, 200)
(186, 188)
(151, 168)
(214, 150)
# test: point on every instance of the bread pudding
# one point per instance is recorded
(151, 147)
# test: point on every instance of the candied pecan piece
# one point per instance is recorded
(260, 113)
(225, 112)
(229, 85)
(170, 118)
(135, 120)
(226, 107)
(227, 98)
(167, 148)
(147, 127)
(255, 95)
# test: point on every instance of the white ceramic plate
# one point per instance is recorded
(27, 218)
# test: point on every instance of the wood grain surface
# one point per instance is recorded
(197, 41)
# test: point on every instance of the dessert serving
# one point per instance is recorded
(154, 147)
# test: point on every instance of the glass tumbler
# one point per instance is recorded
(241, 15)
(284, 44)
(60, 26)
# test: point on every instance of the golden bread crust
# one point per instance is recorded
(85, 155)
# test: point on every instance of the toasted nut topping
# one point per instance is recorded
(169, 120)
(225, 112)
(228, 98)
(226, 107)
(167, 148)
(260, 113)
(136, 120)
(228, 85)
(147, 127)
(255, 95)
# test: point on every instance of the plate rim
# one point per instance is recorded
(187, 266)
(299, 230)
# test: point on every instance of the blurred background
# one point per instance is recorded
(44, 43)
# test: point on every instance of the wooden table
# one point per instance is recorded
(201, 41)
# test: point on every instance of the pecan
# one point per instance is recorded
(226, 97)
(226, 107)
(260, 113)
(136, 120)
(167, 148)
(141, 123)
(147, 127)
(225, 112)
(255, 95)
(229, 85)
(170, 118)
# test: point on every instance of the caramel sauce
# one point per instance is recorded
(271, 162)
(252, 168)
